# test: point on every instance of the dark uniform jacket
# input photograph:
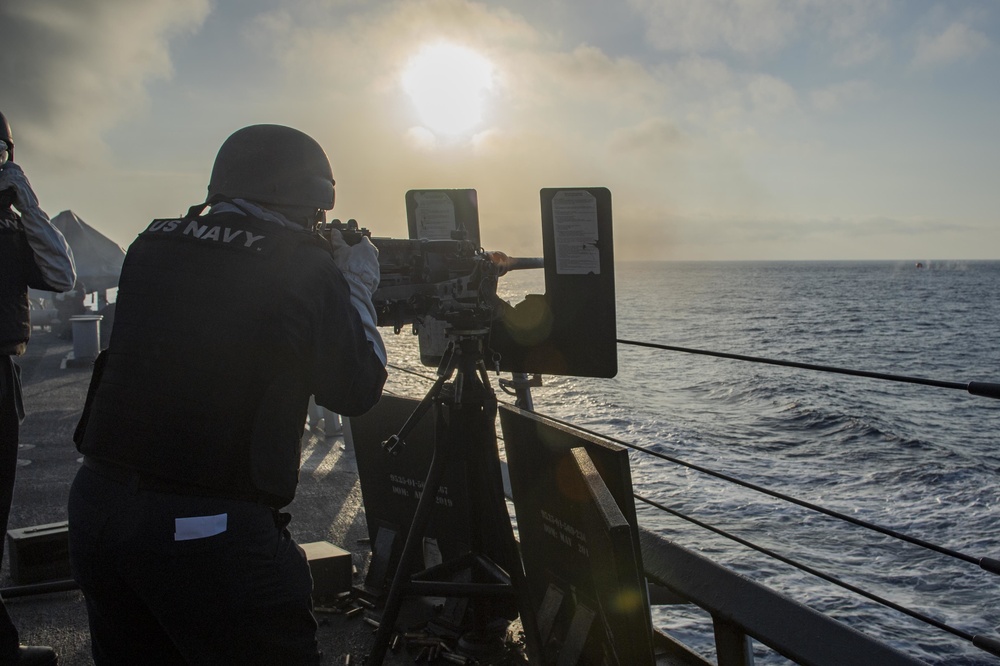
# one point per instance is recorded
(224, 326)
(18, 271)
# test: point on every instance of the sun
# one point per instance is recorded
(449, 86)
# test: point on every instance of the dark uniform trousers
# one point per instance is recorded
(240, 596)
(11, 413)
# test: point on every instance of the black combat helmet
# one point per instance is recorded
(6, 136)
(273, 164)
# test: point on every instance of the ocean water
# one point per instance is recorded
(920, 460)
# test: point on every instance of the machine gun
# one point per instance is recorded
(435, 285)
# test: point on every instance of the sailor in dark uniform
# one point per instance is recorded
(226, 323)
(32, 254)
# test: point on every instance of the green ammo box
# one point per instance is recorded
(39, 553)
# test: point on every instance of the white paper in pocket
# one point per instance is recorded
(199, 527)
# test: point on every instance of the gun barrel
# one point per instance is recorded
(507, 263)
(521, 263)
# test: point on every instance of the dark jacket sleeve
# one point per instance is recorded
(346, 375)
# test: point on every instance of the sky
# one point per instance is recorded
(724, 129)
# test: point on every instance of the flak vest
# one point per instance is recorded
(199, 385)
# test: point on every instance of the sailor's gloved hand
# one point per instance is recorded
(358, 263)
(12, 177)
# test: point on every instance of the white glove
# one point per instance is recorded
(12, 177)
(359, 264)
(52, 253)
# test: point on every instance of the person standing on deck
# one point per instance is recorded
(226, 323)
(33, 253)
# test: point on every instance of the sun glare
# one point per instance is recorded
(448, 85)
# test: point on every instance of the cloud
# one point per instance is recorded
(957, 42)
(770, 95)
(72, 69)
(586, 83)
(838, 96)
(653, 134)
(746, 27)
(847, 19)
(860, 50)
(853, 29)
(765, 28)
(706, 73)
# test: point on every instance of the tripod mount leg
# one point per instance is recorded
(445, 371)
(466, 418)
